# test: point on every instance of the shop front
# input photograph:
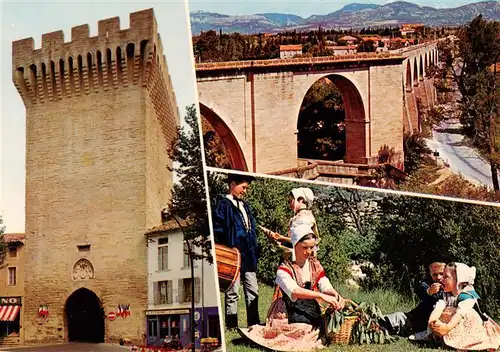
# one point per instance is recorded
(168, 325)
(10, 320)
(173, 325)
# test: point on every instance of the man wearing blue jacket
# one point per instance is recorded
(234, 226)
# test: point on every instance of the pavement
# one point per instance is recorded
(75, 347)
(463, 160)
(70, 347)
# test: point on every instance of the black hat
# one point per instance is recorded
(439, 258)
(239, 178)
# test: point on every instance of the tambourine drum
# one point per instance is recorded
(228, 266)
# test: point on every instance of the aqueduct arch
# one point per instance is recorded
(260, 101)
(234, 151)
(415, 72)
(355, 120)
(408, 84)
(421, 69)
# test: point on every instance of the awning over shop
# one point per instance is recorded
(9, 313)
(167, 311)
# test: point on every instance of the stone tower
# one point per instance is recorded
(100, 114)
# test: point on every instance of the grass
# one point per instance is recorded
(387, 300)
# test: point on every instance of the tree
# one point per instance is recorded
(468, 62)
(397, 44)
(367, 46)
(216, 154)
(2, 243)
(415, 149)
(189, 201)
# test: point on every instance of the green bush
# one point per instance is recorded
(416, 231)
(415, 150)
(269, 201)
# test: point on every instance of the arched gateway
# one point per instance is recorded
(84, 317)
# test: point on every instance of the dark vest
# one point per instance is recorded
(230, 230)
(305, 311)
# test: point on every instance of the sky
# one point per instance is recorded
(300, 7)
(32, 19)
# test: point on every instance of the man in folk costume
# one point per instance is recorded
(234, 226)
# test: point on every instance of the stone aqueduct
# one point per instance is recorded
(254, 105)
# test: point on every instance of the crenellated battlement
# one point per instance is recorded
(114, 58)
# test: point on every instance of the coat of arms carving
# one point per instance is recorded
(83, 270)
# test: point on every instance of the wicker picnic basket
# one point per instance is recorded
(343, 335)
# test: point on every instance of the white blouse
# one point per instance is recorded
(462, 307)
(286, 282)
(241, 207)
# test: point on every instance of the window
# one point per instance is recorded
(162, 254)
(185, 290)
(186, 255)
(12, 277)
(152, 327)
(12, 252)
(163, 292)
(83, 248)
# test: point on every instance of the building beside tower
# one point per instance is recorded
(170, 290)
(11, 289)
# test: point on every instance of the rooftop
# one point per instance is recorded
(14, 238)
(291, 47)
(341, 47)
(168, 226)
(347, 37)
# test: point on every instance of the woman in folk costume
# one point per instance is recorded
(460, 322)
(300, 201)
(306, 289)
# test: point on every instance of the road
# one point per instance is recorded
(463, 160)
(70, 347)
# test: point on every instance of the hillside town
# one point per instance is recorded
(213, 46)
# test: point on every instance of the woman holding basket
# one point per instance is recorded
(305, 289)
